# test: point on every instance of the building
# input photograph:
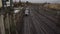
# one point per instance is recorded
(0, 3)
(8, 2)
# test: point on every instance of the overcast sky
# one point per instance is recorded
(41, 1)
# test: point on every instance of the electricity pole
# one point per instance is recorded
(11, 4)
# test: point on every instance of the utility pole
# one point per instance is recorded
(19, 2)
(11, 3)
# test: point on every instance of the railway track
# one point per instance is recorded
(47, 16)
(47, 12)
(39, 23)
(49, 22)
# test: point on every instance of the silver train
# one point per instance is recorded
(27, 12)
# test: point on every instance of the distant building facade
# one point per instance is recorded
(0, 3)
